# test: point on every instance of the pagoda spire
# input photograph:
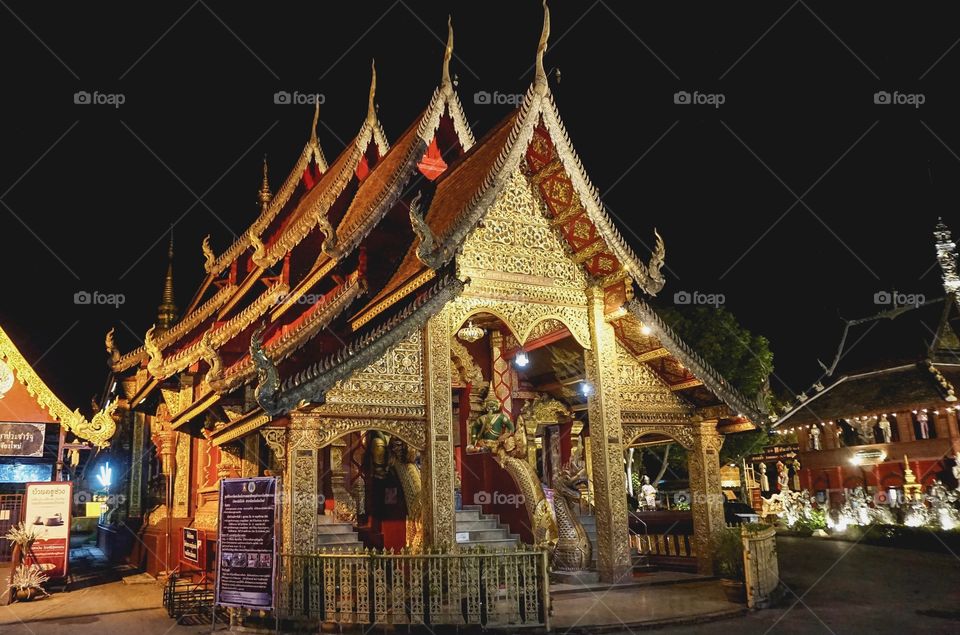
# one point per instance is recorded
(264, 195)
(541, 76)
(448, 52)
(947, 257)
(371, 108)
(167, 311)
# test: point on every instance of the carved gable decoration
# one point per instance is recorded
(643, 394)
(515, 243)
(396, 379)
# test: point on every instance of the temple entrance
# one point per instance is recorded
(371, 493)
(521, 413)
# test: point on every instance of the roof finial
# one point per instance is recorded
(541, 77)
(947, 257)
(316, 119)
(448, 53)
(264, 195)
(371, 109)
(167, 311)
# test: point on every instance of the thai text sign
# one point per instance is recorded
(247, 542)
(48, 511)
(193, 540)
(21, 439)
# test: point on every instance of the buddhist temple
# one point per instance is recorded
(890, 405)
(426, 333)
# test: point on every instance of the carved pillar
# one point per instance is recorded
(136, 466)
(304, 490)
(606, 446)
(501, 382)
(705, 490)
(344, 508)
(250, 466)
(438, 471)
(181, 481)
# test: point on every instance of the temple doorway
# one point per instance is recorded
(521, 415)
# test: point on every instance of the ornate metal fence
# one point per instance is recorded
(760, 565)
(486, 588)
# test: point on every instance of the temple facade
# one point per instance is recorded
(420, 335)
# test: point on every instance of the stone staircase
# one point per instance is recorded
(333, 535)
(482, 529)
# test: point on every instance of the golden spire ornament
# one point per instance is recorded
(316, 120)
(448, 52)
(371, 108)
(541, 77)
(264, 195)
(167, 311)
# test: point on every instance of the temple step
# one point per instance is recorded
(476, 529)
(331, 534)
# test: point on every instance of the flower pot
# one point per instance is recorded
(24, 595)
(735, 590)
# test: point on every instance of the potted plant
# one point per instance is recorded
(727, 551)
(27, 583)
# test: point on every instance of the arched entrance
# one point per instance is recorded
(679, 520)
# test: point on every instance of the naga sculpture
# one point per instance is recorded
(574, 551)
(268, 377)
(403, 461)
(510, 451)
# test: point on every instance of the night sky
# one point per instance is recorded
(798, 198)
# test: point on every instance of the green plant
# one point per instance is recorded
(817, 520)
(727, 550)
(682, 506)
(28, 577)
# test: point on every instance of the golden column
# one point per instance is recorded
(606, 445)
(705, 490)
(438, 470)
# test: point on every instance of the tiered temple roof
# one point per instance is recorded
(304, 272)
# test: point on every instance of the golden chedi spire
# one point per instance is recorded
(167, 311)
(371, 108)
(264, 195)
(541, 77)
(448, 53)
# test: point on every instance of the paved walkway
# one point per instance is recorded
(850, 588)
(843, 588)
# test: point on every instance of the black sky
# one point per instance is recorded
(88, 191)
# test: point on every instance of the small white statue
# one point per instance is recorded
(956, 470)
(783, 477)
(764, 480)
(885, 429)
(796, 475)
(924, 422)
(649, 493)
(815, 437)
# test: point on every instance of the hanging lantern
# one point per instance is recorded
(471, 333)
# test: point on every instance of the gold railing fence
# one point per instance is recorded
(677, 545)
(471, 587)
